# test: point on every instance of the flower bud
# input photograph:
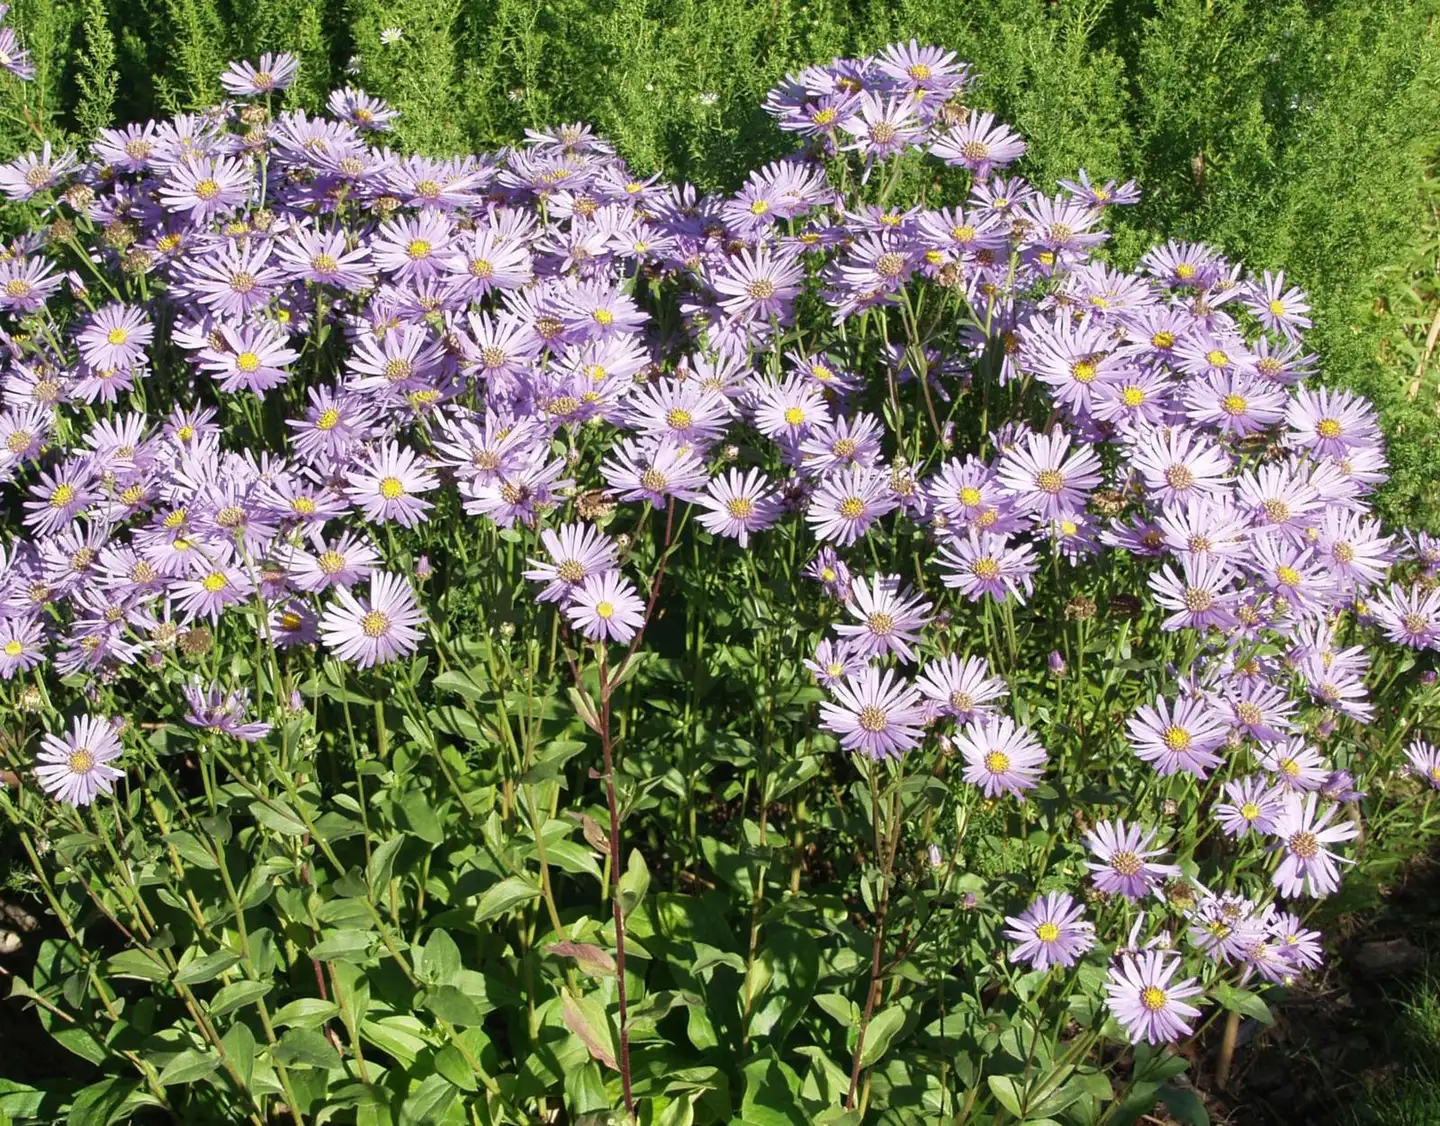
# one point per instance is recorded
(1057, 663)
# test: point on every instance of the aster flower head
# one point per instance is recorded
(874, 713)
(1124, 861)
(116, 336)
(1308, 864)
(830, 571)
(375, 630)
(1046, 477)
(846, 504)
(737, 504)
(889, 617)
(1052, 931)
(1295, 764)
(1177, 737)
(1279, 309)
(75, 768)
(576, 552)
(387, 486)
(881, 126)
(222, 712)
(1424, 762)
(272, 72)
(834, 661)
(980, 144)
(962, 688)
(981, 564)
(605, 607)
(1143, 995)
(1252, 805)
(1201, 597)
(1000, 756)
(206, 187)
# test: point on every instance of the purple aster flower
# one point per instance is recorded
(485, 259)
(1340, 787)
(655, 471)
(1052, 931)
(1308, 866)
(1144, 997)
(1178, 737)
(273, 72)
(889, 617)
(786, 411)
(1177, 465)
(1423, 758)
(1279, 309)
(341, 562)
(1260, 710)
(22, 645)
(759, 286)
(59, 496)
(1352, 546)
(981, 564)
(738, 504)
(223, 712)
(294, 623)
(877, 714)
(980, 144)
(881, 127)
(414, 247)
(386, 486)
(1125, 866)
(846, 441)
(325, 258)
(961, 688)
(74, 769)
(1331, 421)
(1234, 403)
(361, 109)
(32, 172)
(1202, 598)
(834, 662)
(928, 70)
(1225, 927)
(1409, 617)
(376, 630)
(1000, 755)
(1253, 804)
(605, 607)
(1296, 765)
(830, 571)
(116, 336)
(210, 590)
(683, 411)
(1046, 478)
(27, 283)
(1298, 946)
(14, 57)
(205, 187)
(845, 504)
(235, 280)
(577, 552)
(253, 359)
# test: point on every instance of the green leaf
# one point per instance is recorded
(305, 1012)
(585, 1017)
(188, 1066)
(306, 1047)
(137, 963)
(418, 818)
(382, 865)
(594, 960)
(504, 897)
(450, 1003)
(278, 816)
(1185, 1105)
(239, 1045)
(428, 1103)
(442, 958)
(1242, 1001)
(94, 1105)
(344, 946)
(883, 1027)
(190, 849)
(207, 967)
(1007, 1093)
(460, 683)
(634, 883)
(237, 995)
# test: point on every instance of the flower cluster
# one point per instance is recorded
(368, 343)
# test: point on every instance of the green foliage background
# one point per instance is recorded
(1293, 133)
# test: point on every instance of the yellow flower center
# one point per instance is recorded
(391, 488)
(62, 496)
(1216, 358)
(1328, 428)
(1250, 810)
(997, 762)
(1047, 932)
(14, 648)
(852, 508)
(605, 610)
(1153, 998)
(741, 508)
(1133, 396)
(117, 335)
(794, 416)
(328, 420)
(81, 761)
(207, 190)
(873, 720)
(374, 624)
(1176, 738)
(418, 248)
(214, 582)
